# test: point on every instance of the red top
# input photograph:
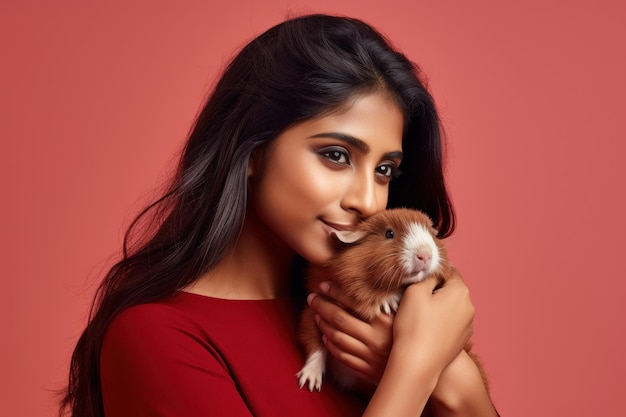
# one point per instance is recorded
(192, 355)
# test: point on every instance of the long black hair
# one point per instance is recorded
(302, 68)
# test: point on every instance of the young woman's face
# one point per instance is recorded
(327, 174)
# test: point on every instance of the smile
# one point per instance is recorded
(336, 227)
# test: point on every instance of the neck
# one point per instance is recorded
(257, 267)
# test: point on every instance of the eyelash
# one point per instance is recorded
(342, 153)
(327, 152)
(392, 170)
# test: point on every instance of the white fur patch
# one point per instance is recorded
(391, 303)
(313, 370)
(419, 239)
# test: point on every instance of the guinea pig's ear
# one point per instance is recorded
(349, 236)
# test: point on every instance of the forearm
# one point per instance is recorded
(405, 387)
(460, 391)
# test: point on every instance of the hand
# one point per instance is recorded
(360, 345)
(435, 325)
(430, 330)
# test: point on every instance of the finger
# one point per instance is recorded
(343, 341)
(354, 362)
(335, 292)
(338, 317)
(424, 288)
(374, 349)
(455, 283)
(377, 334)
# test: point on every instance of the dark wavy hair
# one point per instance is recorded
(302, 68)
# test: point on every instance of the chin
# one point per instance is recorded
(318, 256)
(316, 248)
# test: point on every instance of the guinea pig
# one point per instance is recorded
(373, 264)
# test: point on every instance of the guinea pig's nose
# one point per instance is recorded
(422, 258)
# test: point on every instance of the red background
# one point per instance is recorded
(97, 97)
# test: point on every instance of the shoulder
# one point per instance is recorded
(159, 329)
(157, 357)
(145, 319)
(150, 314)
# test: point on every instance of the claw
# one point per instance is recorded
(313, 371)
(391, 304)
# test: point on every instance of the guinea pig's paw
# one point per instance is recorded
(391, 303)
(313, 371)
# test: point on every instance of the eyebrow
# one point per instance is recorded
(355, 142)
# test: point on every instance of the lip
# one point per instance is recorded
(337, 227)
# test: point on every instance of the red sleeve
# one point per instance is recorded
(155, 362)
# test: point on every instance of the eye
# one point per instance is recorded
(384, 170)
(389, 234)
(335, 155)
(387, 170)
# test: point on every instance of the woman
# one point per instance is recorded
(314, 126)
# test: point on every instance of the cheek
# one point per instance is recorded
(301, 180)
(382, 196)
(315, 187)
(289, 210)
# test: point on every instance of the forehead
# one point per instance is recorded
(374, 118)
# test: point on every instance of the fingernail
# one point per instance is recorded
(309, 298)
(316, 317)
(324, 286)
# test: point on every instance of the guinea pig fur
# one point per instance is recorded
(372, 264)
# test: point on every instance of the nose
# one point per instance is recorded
(364, 196)
(422, 257)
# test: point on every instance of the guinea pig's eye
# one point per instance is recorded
(389, 234)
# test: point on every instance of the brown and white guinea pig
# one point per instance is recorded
(373, 264)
